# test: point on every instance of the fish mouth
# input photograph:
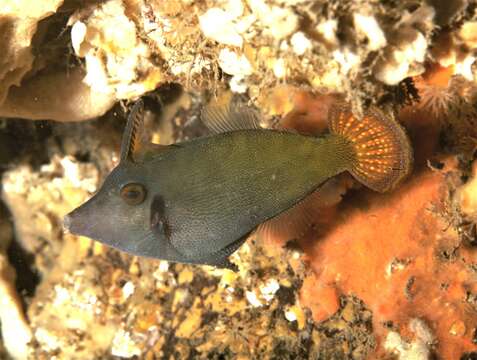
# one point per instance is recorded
(70, 225)
(67, 223)
(90, 220)
(80, 221)
(73, 224)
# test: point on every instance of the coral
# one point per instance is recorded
(298, 109)
(38, 198)
(31, 88)
(397, 253)
(201, 312)
(16, 330)
(449, 98)
(406, 54)
(117, 61)
(131, 47)
(236, 65)
(401, 243)
(404, 253)
(220, 25)
(457, 49)
(417, 349)
(435, 91)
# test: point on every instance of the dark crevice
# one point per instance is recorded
(27, 277)
(469, 356)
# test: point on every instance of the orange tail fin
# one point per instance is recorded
(383, 152)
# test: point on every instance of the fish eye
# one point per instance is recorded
(133, 193)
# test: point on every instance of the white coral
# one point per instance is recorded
(399, 62)
(368, 26)
(418, 349)
(117, 61)
(219, 25)
(279, 22)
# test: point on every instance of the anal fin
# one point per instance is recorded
(295, 222)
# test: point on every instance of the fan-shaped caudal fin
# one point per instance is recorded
(383, 152)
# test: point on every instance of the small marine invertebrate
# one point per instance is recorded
(449, 99)
(443, 92)
(435, 91)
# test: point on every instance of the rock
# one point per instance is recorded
(15, 329)
(61, 96)
(467, 195)
(18, 24)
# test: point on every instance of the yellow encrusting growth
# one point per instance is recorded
(382, 149)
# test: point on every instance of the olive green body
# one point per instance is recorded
(212, 192)
(217, 189)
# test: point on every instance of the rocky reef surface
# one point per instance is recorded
(378, 275)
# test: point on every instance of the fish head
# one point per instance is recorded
(118, 214)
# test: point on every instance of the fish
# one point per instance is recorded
(197, 201)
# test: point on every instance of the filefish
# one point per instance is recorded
(197, 201)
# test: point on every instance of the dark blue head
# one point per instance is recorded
(118, 215)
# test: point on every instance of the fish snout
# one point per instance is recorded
(67, 223)
(72, 222)
(77, 222)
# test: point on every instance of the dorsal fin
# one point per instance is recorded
(135, 145)
(132, 132)
(229, 115)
